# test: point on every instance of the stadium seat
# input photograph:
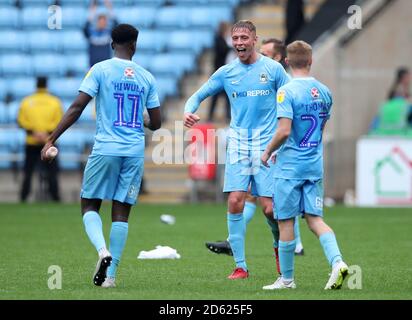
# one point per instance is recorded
(209, 17)
(3, 88)
(34, 3)
(172, 63)
(167, 86)
(5, 152)
(22, 87)
(9, 17)
(79, 64)
(43, 41)
(3, 113)
(151, 40)
(172, 17)
(34, 17)
(56, 65)
(12, 41)
(13, 111)
(89, 115)
(71, 147)
(143, 59)
(72, 17)
(73, 41)
(15, 64)
(65, 88)
(136, 16)
(183, 40)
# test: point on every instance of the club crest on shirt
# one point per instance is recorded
(129, 73)
(281, 96)
(263, 78)
(314, 93)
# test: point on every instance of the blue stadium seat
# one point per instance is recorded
(73, 17)
(183, 40)
(12, 41)
(73, 40)
(43, 41)
(34, 17)
(143, 59)
(71, 148)
(12, 141)
(9, 17)
(172, 63)
(151, 40)
(34, 3)
(5, 152)
(172, 17)
(167, 86)
(7, 3)
(3, 113)
(13, 112)
(88, 115)
(65, 88)
(3, 89)
(79, 64)
(15, 64)
(49, 65)
(136, 16)
(22, 87)
(209, 17)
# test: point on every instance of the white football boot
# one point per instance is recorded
(105, 259)
(280, 284)
(338, 275)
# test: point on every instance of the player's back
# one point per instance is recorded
(307, 102)
(122, 89)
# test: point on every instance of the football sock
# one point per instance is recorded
(287, 259)
(118, 237)
(93, 225)
(275, 231)
(249, 211)
(296, 230)
(330, 248)
(236, 228)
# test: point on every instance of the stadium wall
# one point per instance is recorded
(359, 67)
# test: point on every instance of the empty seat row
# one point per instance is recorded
(71, 17)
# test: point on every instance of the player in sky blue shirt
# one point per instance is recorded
(304, 106)
(251, 82)
(115, 167)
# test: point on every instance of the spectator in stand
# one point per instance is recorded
(295, 19)
(221, 51)
(97, 30)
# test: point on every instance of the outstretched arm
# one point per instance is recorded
(70, 117)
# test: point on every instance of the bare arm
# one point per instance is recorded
(70, 117)
(281, 135)
(155, 119)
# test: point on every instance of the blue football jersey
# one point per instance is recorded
(251, 89)
(122, 89)
(308, 103)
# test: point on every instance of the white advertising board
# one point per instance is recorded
(384, 172)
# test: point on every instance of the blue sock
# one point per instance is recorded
(118, 236)
(287, 258)
(94, 229)
(296, 230)
(274, 227)
(249, 211)
(236, 228)
(330, 248)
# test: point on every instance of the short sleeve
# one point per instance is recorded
(284, 104)
(91, 81)
(152, 97)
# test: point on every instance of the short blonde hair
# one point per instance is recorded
(244, 24)
(299, 54)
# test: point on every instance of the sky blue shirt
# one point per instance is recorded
(251, 89)
(308, 103)
(122, 90)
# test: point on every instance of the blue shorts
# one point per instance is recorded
(112, 178)
(244, 168)
(292, 198)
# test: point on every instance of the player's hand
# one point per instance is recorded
(273, 157)
(190, 119)
(146, 120)
(264, 158)
(43, 155)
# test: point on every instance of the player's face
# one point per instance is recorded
(244, 41)
(267, 50)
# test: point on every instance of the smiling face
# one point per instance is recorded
(244, 42)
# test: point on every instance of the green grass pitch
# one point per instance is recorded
(36, 236)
